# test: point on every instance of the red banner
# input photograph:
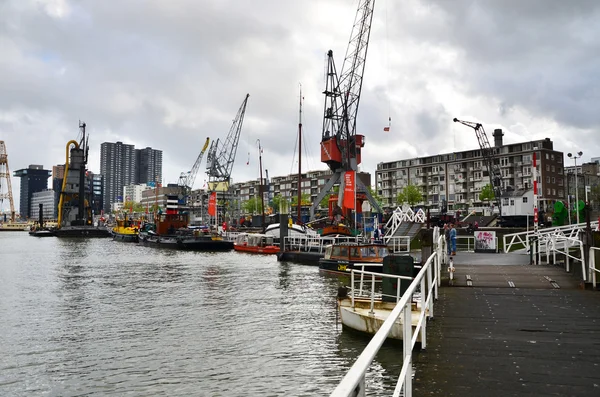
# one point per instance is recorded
(212, 204)
(349, 189)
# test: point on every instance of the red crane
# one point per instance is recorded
(340, 144)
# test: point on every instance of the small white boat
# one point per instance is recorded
(293, 231)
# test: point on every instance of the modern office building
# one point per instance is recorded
(33, 179)
(457, 178)
(49, 205)
(118, 166)
(149, 165)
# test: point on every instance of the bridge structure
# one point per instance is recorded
(521, 322)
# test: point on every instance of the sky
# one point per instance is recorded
(169, 74)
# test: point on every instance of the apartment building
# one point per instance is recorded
(458, 178)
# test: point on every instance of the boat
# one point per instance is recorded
(171, 231)
(364, 309)
(336, 230)
(75, 218)
(126, 230)
(255, 243)
(294, 230)
(15, 226)
(342, 257)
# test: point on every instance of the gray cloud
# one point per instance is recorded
(169, 74)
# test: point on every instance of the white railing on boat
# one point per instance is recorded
(426, 282)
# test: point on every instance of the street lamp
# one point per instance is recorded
(575, 157)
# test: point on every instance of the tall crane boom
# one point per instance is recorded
(5, 174)
(489, 156)
(340, 144)
(220, 158)
(187, 179)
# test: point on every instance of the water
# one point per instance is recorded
(96, 318)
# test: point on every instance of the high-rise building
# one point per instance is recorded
(149, 163)
(97, 181)
(33, 179)
(119, 167)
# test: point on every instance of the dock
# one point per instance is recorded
(508, 328)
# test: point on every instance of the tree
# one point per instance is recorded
(132, 206)
(305, 198)
(487, 193)
(252, 206)
(410, 195)
(280, 203)
(375, 196)
(594, 196)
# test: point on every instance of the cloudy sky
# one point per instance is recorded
(168, 74)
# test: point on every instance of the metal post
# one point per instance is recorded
(535, 192)
(407, 348)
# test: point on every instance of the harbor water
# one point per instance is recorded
(98, 317)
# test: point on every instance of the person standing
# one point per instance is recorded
(453, 239)
(447, 237)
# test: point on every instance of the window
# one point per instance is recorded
(547, 179)
(547, 167)
(547, 156)
(553, 180)
(505, 201)
(552, 157)
(512, 201)
(554, 192)
(561, 192)
(553, 168)
(524, 199)
(548, 191)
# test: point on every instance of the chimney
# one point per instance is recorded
(498, 134)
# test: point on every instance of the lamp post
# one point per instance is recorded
(575, 157)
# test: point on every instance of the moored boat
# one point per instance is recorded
(15, 226)
(125, 230)
(342, 257)
(255, 243)
(171, 231)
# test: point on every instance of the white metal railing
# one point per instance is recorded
(522, 238)
(593, 269)
(427, 281)
(402, 215)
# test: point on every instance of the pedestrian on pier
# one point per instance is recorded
(453, 239)
(447, 237)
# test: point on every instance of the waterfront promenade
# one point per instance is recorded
(507, 328)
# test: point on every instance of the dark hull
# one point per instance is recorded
(126, 238)
(343, 267)
(187, 243)
(42, 233)
(82, 231)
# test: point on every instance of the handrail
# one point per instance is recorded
(353, 383)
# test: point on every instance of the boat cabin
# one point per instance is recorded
(254, 240)
(169, 223)
(356, 252)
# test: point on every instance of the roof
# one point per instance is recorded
(515, 193)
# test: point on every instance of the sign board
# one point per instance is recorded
(485, 241)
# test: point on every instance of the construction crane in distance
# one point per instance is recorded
(5, 174)
(187, 179)
(340, 144)
(489, 157)
(220, 158)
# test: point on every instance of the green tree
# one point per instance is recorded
(252, 206)
(487, 193)
(280, 203)
(410, 194)
(131, 205)
(305, 199)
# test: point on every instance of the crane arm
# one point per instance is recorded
(221, 158)
(488, 155)
(187, 179)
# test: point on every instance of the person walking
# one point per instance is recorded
(447, 237)
(453, 239)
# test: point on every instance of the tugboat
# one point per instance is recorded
(171, 231)
(74, 211)
(40, 228)
(126, 230)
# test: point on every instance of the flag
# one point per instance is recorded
(212, 204)
(386, 129)
(349, 189)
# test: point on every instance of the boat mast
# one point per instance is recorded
(299, 220)
(260, 186)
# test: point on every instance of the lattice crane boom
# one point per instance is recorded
(489, 155)
(187, 179)
(220, 158)
(340, 144)
(5, 174)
